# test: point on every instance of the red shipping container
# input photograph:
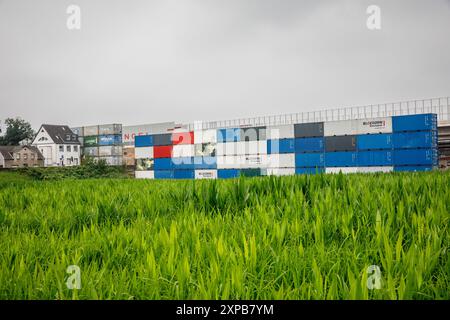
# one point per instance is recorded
(183, 138)
(162, 151)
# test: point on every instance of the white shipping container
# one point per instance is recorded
(144, 174)
(280, 132)
(251, 147)
(227, 148)
(281, 171)
(375, 169)
(106, 151)
(90, 131)
(183, 150)
(375, 125)
(285, 160)
(228, 162)
(205, 174)
(340, 128)
(106, 129)
(205, 136)
(253, 161)
(342, 169)
(91, 151)
(143, 152)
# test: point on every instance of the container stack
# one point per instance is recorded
(400, 143)
(103, 142)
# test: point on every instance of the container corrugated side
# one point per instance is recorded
(184, 174)
(341, 159)
(413, 168)
(229, 135)
(228, 173)
(253, 134)
(143, 153)
(183, 150)
(375, 169)
(316, 170)
(90, 131)
(144, 174)
(375, 158)
(143, 141)
(285, 160)
(414, 140)
(205, 174)
(307, 145)
(205, 136)
(340, 143)
(281, 146)
(374, 141)
(340, 128)
(344, 170)
(417, 122)
(309, 130)
(280, 132)
(114, 151)
(164, 174)
(374, 125)
(281, 171)
(415, 157)
(304, 160)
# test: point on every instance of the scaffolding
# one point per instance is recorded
(440, 106)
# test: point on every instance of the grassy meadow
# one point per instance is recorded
(299, 237)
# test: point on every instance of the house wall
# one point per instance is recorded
(2, 161)
(27, 158)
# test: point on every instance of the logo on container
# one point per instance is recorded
(375, 124)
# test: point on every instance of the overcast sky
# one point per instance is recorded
(148, 61)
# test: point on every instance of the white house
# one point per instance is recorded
(58, 144)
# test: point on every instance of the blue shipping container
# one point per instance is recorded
(415, 157)
(164, 174)
(163, 164)
(109, 140)
(205, 163)
(375, 158)
(417, 122)
(309, 160)
(413, 168)
(304, 145)
(227, 173)
(182, 163)
(228, 135)
(309, 170)
(414, 140)
(280, 146)
(143, 141)
(184, 174)
(374, 141)
(341, 159)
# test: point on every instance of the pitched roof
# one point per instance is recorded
(61, 134)
(8, 151)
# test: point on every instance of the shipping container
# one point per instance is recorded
(228, 173)
(413, 168)
(143, 141)
(251, 147)
(228, 135)
(280, 132)
(90, 151)
(340, 143)
(185, 163)
(164, 174)
(205, 162)
(128, 156)
(309, 145)
(145, 164)
(340, 128)
(205, 136)
(183, 150)
(227, 148)
(374, 141)
(375, 158)
(281, 146)
(162, 139)
(228, 162)
(110, 129)
(415, 157)
(316, 170)
(143, 153)
(162, 151)
(90, 131)
(90, 141)
(285, 160)
(344, 170)
(341, 159)
(144, 174)
(309, 160)
(253, 134)
(417, 122)
(79, 131)
(205, 149)
(374, 126)
(107, 151)
(183, 138)
(110, 140)
(253, 161)
(254, 172)
(415, 140)
(280, 171)
(184, 174)
(375, 169)
(309, 130)
(163, 164)
(113, 161)
(205, 174)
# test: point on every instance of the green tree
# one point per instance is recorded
(16, 130)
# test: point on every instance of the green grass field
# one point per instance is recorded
(302, 237)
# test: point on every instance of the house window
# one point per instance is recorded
(32, 156)
(17, 156)
(25, 156)
(75, 161)
(75, 148)
(69, 149)
(68, 137)
(61, 148)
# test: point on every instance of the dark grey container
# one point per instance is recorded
(340, 143)
(308, 130)
(253, 134)
(162, 139)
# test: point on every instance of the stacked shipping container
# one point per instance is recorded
(403, 143)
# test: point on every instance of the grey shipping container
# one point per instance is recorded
(110, 151)
(308, 130)
(110, 129)
(90, 131)
(162, 139)
(90, 151)
(253, 134)
(340, 143)
(112, 161)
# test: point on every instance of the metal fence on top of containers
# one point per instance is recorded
(439, 106)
